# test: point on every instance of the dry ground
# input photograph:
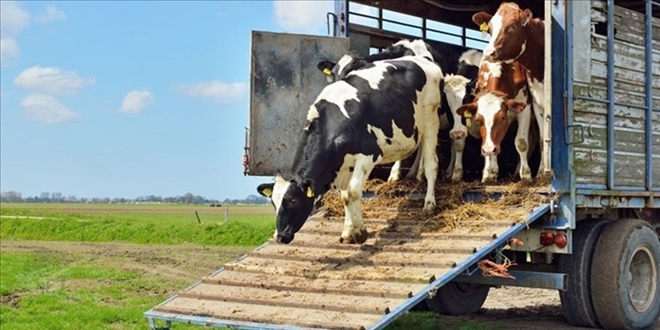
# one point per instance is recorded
(515, 308)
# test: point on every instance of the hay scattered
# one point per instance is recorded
(404, 200)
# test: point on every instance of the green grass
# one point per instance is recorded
(142, 224)
(43, 291)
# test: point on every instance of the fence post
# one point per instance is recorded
(226, 213)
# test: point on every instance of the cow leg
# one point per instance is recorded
(395, 172)
(354, 229)
(522, 142)
(415, 167)
(491, 169)
(429, 163)
(452, 159)
(458, 145)
(538, 113)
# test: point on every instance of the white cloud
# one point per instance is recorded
(52, 14)
(49, 79)
(215, 90)
(302, 16)
(13, 18)
(8, 48)
(135, 101)
(45, 108)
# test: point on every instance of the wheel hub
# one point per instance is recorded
(642, 279)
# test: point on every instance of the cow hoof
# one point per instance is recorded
(489, 179)
(544, 176)
(429, 207)
(457, 175)
(357, 238)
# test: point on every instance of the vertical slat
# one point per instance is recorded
(649, 96)
(610, 94)
(570, 101)
(555, 87)
(341, 10)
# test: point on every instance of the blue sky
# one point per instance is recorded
(126, 98)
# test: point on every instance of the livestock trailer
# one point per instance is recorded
(595, 236)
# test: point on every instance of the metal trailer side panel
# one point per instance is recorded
(284, 83)
(617, 104)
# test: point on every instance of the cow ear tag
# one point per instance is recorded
(468, 119)
(484, 29)
(267, 192)
(310, 192)
(327, 72)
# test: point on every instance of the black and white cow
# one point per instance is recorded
(452, 60)
(459, 89)
(379, 113)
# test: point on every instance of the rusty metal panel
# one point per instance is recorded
(284, 82)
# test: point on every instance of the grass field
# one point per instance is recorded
(77, 266)
(143, 223)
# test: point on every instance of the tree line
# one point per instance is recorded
(187, 198)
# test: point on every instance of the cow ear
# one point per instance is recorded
(526, 16)
(266, 189)
(467, 110)
(326, 67)
(308, 187)
(481, 17)
(514, 106)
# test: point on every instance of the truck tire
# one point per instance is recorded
(625, 285)
(458, 298)
(576, 300)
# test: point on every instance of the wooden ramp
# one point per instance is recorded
(316, 282)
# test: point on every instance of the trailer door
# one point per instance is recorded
(284, 83)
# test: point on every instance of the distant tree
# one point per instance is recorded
(11, 197)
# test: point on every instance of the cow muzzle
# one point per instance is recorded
(490, 151)
(284, 238)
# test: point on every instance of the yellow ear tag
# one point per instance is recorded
(468, 119)
(484, 30)
(327, 72)
(310, 192)
(267, 192)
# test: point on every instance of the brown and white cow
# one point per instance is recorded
(502, 96)
(517, 36)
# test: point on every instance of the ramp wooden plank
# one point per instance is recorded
(394, 244)
(335, 226)
(347, 302)
(268, 314)
(301, 284)
(336, 271)
(364, 257)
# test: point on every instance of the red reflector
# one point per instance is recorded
(560, 240)
(547, 239)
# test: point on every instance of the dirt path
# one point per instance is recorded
(510, 308)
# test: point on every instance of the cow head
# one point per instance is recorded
(457, 89)
(293, 201)
(507, 30)
(338, 71)
(491, 111)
